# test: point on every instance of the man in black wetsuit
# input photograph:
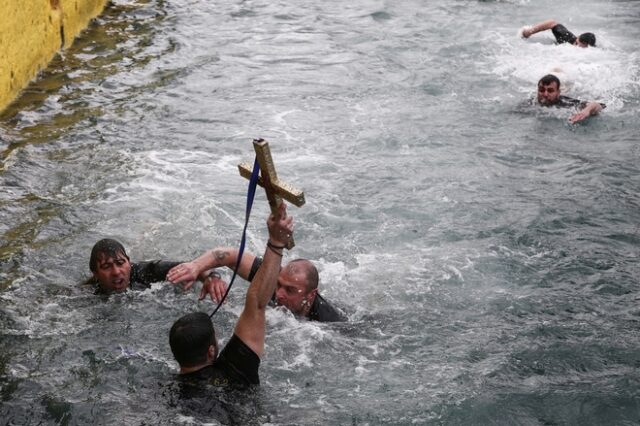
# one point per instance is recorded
(549, 95)
(114, 273)
(192, 337)
(297, 288)
(561, 33)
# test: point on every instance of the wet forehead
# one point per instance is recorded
(293, 269)
(107, 258)
(552, 85)
(293, 275)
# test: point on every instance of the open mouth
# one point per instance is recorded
(119, 284)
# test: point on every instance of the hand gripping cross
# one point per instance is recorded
(276, 189)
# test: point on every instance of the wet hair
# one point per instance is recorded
(548, 79)
(588, 38)
(310, 272)
(190, 338)
(108, 248)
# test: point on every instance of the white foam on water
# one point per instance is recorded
(41, 319)
(282, 325)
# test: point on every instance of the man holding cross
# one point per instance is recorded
(297, 288)
(192, 337)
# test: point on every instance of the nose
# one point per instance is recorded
(117, 270)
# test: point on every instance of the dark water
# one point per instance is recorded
(486, 253)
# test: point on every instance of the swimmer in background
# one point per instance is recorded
(561, 33)
(549, 95)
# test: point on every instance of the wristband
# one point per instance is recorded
(214, 274)
(273, 246)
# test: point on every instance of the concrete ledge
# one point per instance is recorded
(32, 32)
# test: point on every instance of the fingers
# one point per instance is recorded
(171, 274)
(218, 293)
(182, 273)
(282, 210)
(577, 117)
(175, 273)
(279, 214)
(220, 290)
(215, 288)
(280, 225)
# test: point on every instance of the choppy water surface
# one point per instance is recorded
(486, 253)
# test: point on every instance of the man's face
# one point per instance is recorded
(580, 43)
(113, 273)
(292, 290)
(548, 94)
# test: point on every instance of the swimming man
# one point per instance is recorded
(549, 95)
(561, 33)
(297, 288)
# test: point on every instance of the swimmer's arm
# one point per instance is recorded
(216, 287)
(542, 26)
(199, 269)
(592, 108)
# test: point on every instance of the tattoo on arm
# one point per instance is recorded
(219, 256)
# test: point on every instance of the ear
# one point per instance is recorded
(311, 296)
(211, 352)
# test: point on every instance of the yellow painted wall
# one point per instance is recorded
(76, 15)
(31, 32)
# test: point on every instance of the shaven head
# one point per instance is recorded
(309, 270)
(190, 338)
(297, 286)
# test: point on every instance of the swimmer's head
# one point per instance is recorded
(193, 340)
(297, 286)
(586, 39)
(110, 265)
(548, 90)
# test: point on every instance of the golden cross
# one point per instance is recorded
(276, 189)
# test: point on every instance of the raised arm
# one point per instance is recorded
(200, 268)
(251, 324)
(592, 108)
(541, 26)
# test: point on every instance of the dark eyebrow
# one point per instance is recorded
(104, 263)
(111, 259)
